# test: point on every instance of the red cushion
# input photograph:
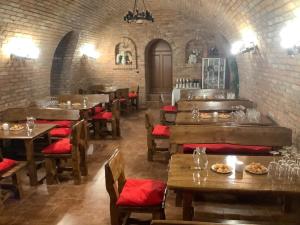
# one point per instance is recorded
(62, 146)
(228, 148)
(143, 192)
(103, 116)
(122, 100)
(6, 164)
(98, 109)
(169, 108)
(59, 123)
(60, 132)
(160, 130)
(132, 95)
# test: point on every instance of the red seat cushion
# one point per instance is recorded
(60, 132)
(6, 164)
(132, 95)
(98, 109)
(103, 116)
(169, 108)
(62, 146)
(122, 100)
(58, 123)
(143, 192)
(228, 148)
(160, 130)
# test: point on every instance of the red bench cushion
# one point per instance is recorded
(169, 108)
(6, 164)
(58, 123)
(62, 146)
(132, 95)
(103, 116)
(98, 109)
(160, 130)
(60, 132)
(228, 148)
(143, 192)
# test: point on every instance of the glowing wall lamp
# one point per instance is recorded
(290, 36)
(89, 50)
(21, 47)
(248, 43)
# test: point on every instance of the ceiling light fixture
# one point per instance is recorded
(137, 15)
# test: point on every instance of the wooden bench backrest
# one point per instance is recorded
(114, 176)
(54, 114)
(244, 135)
(122, 93)
(14, 114)
(213, 105)
(72, 98)
(210, 93)
(79, 135)
(97, 98)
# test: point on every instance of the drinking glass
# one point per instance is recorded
(30, 124)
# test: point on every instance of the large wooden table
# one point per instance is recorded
(185, 118)
(185, 179)
(38, 131)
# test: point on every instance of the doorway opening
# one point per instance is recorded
(60, 79)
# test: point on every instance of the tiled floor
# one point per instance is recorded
(88, 203)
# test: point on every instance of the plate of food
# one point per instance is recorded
(224, 115)
(205, 115)
(76, 104)
(16, 127)
(221, 168)
(256, 168)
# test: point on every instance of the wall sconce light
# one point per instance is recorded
(21, 47)
(247, 44)
(290, 37)
(89, 50)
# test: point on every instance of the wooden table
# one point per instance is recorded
(39, 130)
(183, 178)
(77, 106)
(220, 105)
(185, 118)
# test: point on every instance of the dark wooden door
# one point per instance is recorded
(160, 68)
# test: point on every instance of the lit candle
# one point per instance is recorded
(239, 166)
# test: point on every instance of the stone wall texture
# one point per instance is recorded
(270, 77)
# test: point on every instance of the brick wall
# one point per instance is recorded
(270, 78)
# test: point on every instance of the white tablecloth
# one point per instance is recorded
(176, 94)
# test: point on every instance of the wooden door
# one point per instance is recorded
(160, 68)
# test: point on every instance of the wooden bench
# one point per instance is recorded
(213, 105)
(223, 222)
(274, 136)
(77, 155)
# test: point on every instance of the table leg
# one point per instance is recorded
(187, 207)
(31, 162)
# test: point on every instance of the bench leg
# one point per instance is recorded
(16, 181)
(76, 166)
(51, 171)
(83, 162)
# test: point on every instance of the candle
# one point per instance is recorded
(215, 114)
(68, 102)
(239, 166)
(5, 126)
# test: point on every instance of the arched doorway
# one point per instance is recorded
(61, 64)
(159, 67)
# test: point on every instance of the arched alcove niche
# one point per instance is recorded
(62, 62)
(126, 54)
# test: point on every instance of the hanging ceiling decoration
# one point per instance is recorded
(139, 15)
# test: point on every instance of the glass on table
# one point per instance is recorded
(30, 124)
